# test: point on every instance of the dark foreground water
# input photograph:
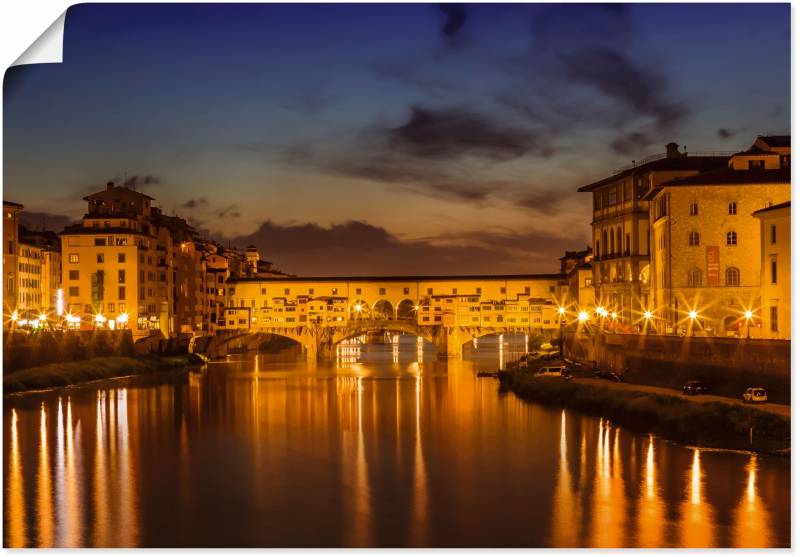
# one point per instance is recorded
(396, 452)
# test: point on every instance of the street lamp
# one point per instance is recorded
(748, 315)
(692, 319)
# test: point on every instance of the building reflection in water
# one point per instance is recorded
(557, 478)
(696, 526)
(45, 495)
(751, 519)
(651, 511)
(566, 505)
(15, 491)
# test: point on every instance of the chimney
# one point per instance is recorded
(672, 150)
(109, 186)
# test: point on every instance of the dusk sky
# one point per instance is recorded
(386, 139)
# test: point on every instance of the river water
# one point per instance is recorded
(384, 447)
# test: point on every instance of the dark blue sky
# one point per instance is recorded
(455, 136)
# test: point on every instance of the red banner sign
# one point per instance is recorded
(712, 265)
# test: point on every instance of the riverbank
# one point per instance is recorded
(72, 373)
(710, 424)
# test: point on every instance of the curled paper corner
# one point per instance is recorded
(48, 48)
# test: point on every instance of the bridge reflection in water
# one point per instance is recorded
(393, 451)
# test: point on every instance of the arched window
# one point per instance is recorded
(731, 238)
(694, 238)
(732, 208)
(731, 276)
(611, 247)
(605, 243)
(693, 209)
(619, 240)
(695, 277)
(597, 249)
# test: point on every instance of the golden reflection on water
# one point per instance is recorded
(751, 519)
(15, 491)
(696, 526)
(650, 516)
(44, 511)
(585, 483)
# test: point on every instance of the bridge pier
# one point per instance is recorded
(449, 342)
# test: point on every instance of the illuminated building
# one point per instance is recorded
(621, 229)
(776, 283)
(11, 212)
(705, 241)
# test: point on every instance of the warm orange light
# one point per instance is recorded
(613, 315)
(648, 314)
(583, 316)
(561, 310)
(693, 314)
(748, 315)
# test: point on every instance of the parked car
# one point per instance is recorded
(552, 370)
(695, 388)
(608, 375)
(754, 394)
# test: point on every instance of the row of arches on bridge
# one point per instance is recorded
(383, 309)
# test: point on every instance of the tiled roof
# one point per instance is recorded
(784, 205)
(776, 140)
(682, 162)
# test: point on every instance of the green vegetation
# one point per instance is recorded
(70, 373)
(709, 424)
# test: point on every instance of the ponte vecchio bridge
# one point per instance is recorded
(449, 311)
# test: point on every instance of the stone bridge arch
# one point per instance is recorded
(222, 345)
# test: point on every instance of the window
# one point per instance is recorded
(774, 271)
(455, 291)
(110, 307)
(527, 290)
(755, 164)
(73, 257)
(773, 231)
(100, 258)
(120, 258)
(121, 276)
(730, 238)
(732, 208)
(430, 291)
(773, 319)
(587, 282)
(334, 291)
(693, 209)
(731, 276)
(74, 275)
(74, 291)
(286, 291)
(695, 277)
(502, 290)
(310, 291)
(694, 238)
(99, 241)
(406, 290)
(121, 296)
(358, 292)
(381, 291)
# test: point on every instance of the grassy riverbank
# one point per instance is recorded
(71, 373)
(708, 424)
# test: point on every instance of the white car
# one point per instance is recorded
(754, 394)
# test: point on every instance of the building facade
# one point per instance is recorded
(776, 266)
(705, 274)
(621, 228)
(11, 212)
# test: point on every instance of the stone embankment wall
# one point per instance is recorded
(25, 350)
(728, 365)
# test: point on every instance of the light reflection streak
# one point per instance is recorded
(61, 480)
(419, 532)
(696, 527)
(17, 536)
(651, 515)
(74, 484)
(751, 518)
(101, 526)
(45, 503)
(609, 492)
(566, 512)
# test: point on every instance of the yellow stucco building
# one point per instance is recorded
(706, 273)
(776, 267)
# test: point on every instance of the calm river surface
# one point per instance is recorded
(383, 448)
